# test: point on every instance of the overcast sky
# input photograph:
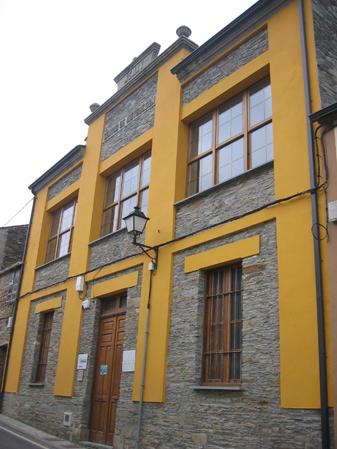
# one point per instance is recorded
(59, 56)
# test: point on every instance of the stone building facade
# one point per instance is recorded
(12, 240)
(215, 345)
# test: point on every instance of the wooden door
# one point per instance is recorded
(107, 377)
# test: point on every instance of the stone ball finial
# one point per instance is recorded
(93, 107)
(183, 31)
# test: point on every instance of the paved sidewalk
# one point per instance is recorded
(29, 434)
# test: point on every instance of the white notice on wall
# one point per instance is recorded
(129, 361)
(82, 361)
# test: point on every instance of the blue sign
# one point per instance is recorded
(103, 370)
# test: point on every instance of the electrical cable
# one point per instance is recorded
(17, 213)
(191, 234)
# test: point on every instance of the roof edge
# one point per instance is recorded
(154, 47)
(56, 169)
(324, 115)
(182, 42)
(251, 17)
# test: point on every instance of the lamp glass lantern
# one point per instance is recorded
(135, 222)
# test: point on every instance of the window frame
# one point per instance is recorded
(234, 269)
(216, 147)
(109, 226)
(58, 213)
(44, 334)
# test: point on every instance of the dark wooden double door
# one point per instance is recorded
(107, 376)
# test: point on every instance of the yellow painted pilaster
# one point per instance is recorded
(69, 342)
(37, 242)
(91, 191)
(164, 154)
(18, 346)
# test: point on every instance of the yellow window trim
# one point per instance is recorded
(228, 87)
(127, 154)
(223, 254)
(63, 197)
(116, 285)
(50, 304)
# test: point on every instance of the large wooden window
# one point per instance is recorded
(61, 231)
(234, 138)
(44, 341)
(126, 189)
(222, 327)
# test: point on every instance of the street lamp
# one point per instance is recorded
(135, 224)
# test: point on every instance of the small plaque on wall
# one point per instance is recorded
(129, 358)
(82, 361)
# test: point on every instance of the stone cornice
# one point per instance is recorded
(182, 42)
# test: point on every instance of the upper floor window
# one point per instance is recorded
(232, 139)
(61, 231)
(126, 189)
(222, 327)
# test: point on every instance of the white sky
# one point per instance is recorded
(59, 56)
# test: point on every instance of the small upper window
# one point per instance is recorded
(126, 189)
(61, 231)
(232, 139)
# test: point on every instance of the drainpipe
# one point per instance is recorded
(16, 308)
(152, 267)
(325, 433)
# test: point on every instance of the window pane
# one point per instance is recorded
(144, 201)
(230, 120)
(146, 171)
(55, 223)
(235, 368)
(113, 188)
(260, 104)
(64, 243)
(200, 175)
(130, 182)
(67, 217)
(205, 173)
(109, 223)
(127, 207)
(193, 178)
(261, 145)
(201, 137)
(231, 160)
(51, 249)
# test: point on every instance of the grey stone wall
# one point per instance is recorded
(38, 406)
(111, 248)
(35, 405)
(225, 66)
(64, 182)
(249, 418)
(52, 272)
(129, 119)
(325, 29)
(9, 281)
(12, 242)
(234, 197)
